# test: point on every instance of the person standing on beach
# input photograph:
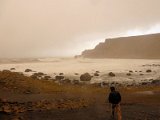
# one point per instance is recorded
(115, 99)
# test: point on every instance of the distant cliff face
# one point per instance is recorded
(134, 47)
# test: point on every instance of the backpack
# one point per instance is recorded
(114, 97)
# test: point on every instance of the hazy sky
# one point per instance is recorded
(38, 28)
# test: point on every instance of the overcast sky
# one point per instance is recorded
(39, 28)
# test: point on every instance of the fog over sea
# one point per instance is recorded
(70, 66)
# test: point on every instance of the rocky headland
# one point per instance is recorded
(133, 47)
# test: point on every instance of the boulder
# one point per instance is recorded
(148, 71)
(28, 70)
(61, 73)
(76, 73)
(40, 74)
(75, 82)
(13, 69)
(58, 77)
(156, 82)
(85, 77)
(96, 74)
(66, 81)
(97, 71)
(128, 74)
(111, 74)
(145, 83)
(131, 71)
(47, 77)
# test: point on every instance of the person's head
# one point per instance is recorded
(112, 89)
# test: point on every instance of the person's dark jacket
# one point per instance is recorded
(114, 97)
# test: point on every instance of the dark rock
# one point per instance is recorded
(128, 74)
(144, 83)
(75, 82)
(58, 77)
(156, 82)
(65, 81)
(47, 77)
(6, 71)
(85, 77)
(34, 76)
(111, 74)
(61, 73)
(96, 74)
(141, 74)
(76, 73)
(40, 74)
(28, 70)
(148, 71)
(97, 71)
(131, 71)
(13, 69)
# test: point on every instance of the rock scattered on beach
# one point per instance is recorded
(28, 70)
(61, 73)
(12, 68)
(111, 74)
(128, 74)
(144, 83)
(59, 77)
(66, 81)
(38, 75)
(141, 74)
(75, 82)
(148, 71)
(85, 77)
(97, 71)
(156, 82)
(47, 77)
(96, 74)
(76, 73)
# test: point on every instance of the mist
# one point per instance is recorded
(48, 28)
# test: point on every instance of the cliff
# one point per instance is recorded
(134, 47)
